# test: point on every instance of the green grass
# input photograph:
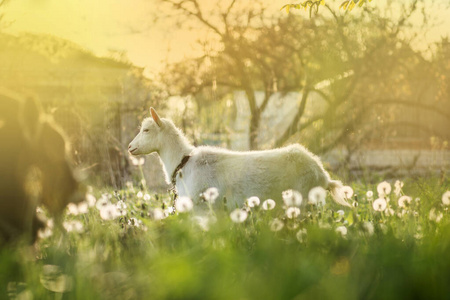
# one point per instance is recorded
(405, 256)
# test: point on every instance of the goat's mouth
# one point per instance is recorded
(132, 150)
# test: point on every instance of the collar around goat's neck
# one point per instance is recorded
(180, 166)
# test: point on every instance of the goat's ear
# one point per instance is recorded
(155, 116)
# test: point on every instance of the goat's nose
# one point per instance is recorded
(129, 146)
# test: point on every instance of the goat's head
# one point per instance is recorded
(150, 137)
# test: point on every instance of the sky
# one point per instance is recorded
(119, 25)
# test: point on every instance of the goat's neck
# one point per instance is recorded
(173, 152)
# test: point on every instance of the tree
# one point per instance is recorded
(285, 53)
(314, 5)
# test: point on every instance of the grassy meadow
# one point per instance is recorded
(393, 244)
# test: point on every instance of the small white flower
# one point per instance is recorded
(184, 204)
(317, 196)
(157, 214)
(102, 202)
(368, 227)
(238, 215)
(292, 212)
(140, 194)
(253, 201)
(347, 191)
(276, 225)
(72, 209)
(301, 235)
(342, 230)
(380, 204)
(90, 199)
(384, 189)
(211, 194)
(121, 208)
(109, 212)
(83, 207)
(134, 222)
(446, 198)
(147, 197)
(369, 195)
(269, 204)
(398, 187)
(435, 216)
(341, 213)
(404, 200)
(73, 226)
(137, 161)
(292, 198)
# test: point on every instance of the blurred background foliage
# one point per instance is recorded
(343, 84)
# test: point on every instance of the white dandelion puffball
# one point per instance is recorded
(211, 194)
(398, 187)
(317, 196)
(109, 212)
(72, 209)
(380, 204)
(102, 202)
(238, 215)
(341, 213)
(269, 204)
(404, 200)
(384, 188)
(435, 216)
(368, 227)
(342, 230)
(369, 194)
(253, 201)
(292, 212)
(90, 199)
(73, 226)
(446, 198)
(140, 194)
(276, 225)
(83, 207)
(347, 191)
(292, 198)
(147, 197)
(158, 214)
(184, 204)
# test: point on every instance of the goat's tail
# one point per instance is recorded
(334, 186)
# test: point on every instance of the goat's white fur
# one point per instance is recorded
(237, 175)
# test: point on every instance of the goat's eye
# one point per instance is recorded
(145, 130)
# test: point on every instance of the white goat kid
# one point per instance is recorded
(236, 175)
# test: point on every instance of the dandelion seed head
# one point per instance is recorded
(341, 212)
(342, 230)
(211, 194)
(109, 212)
(90, 199)
(384, 189)
(268, 204)
(184, 204)
(347, 192)
(380, 204)
(73, 226)
(276, 225)
(253, 201)
(403, 201)
(121, 208)
(398, 187)
(435, 215)
(369, 194)
(157, 214)
(292, 212)
(147, 197)
(72, 209)
(238, 215)
(140, 194)
(446, 198)
(317, 195)
(292, 198)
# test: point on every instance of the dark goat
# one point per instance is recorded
(34, 169)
